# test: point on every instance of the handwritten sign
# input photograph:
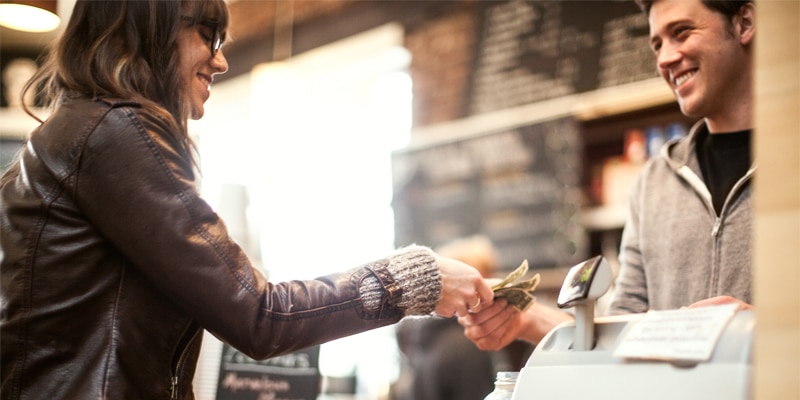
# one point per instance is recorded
(680, 335)
(292, 376)
(530, 51)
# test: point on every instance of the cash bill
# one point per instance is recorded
(517, 298)
(514, 275)
(518, 294)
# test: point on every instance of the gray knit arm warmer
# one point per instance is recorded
(415, 269)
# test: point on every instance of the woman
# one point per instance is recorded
(112, 265)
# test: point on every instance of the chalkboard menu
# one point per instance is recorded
(531, 51)
(520, 187)
(292, 376)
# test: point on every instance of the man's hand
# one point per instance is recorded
(493, 327)
(719, 300)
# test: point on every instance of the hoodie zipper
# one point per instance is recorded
(700, 187)
(186, 344)
(734, 191)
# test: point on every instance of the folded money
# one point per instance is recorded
(518, 294)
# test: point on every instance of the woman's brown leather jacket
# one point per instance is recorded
(112, 266)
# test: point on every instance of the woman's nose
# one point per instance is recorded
(219, 63)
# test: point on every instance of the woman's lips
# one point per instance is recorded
(207, 79)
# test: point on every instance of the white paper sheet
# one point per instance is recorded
(689, 334)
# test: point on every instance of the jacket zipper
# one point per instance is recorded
(173, 388)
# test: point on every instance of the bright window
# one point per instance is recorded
(296, 157)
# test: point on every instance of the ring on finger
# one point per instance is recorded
(476, 305)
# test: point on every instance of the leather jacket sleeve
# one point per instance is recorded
(138, 192)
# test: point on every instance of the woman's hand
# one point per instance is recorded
(463, 289)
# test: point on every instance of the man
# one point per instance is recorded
(687, 241)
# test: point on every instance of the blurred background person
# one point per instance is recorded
(438, 361)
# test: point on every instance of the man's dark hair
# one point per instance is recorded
(728, 8)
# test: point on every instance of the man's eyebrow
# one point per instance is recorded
(668, 28)
(683, 21)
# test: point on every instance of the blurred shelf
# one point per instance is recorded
(585, 106)
(604, 218)
(552, 278)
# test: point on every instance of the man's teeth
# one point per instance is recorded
(683, 78)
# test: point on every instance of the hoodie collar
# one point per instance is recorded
(682, 152)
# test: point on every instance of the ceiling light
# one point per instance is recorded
(29, 15)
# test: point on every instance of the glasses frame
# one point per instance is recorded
(216, 39)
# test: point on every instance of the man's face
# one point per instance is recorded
(700, 56)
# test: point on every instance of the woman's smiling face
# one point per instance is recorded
(197, 64)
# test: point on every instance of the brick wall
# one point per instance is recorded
(441, 61)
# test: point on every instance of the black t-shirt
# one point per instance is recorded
(724, 158)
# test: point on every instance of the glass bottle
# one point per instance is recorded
(503, 386)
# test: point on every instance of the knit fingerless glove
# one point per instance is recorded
(415, 269)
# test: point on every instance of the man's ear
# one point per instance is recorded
(745, 23)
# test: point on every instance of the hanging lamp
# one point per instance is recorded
(29, 15)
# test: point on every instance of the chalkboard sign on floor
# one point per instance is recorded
(292, 376)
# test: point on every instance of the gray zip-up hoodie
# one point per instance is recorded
(675, 250)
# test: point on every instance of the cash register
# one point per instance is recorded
(687, 354)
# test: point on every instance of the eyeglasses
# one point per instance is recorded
(215, 41)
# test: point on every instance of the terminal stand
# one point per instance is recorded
(584, 284)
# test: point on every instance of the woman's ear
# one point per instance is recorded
(745, 23)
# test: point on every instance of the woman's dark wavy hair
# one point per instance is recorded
(126, 49)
